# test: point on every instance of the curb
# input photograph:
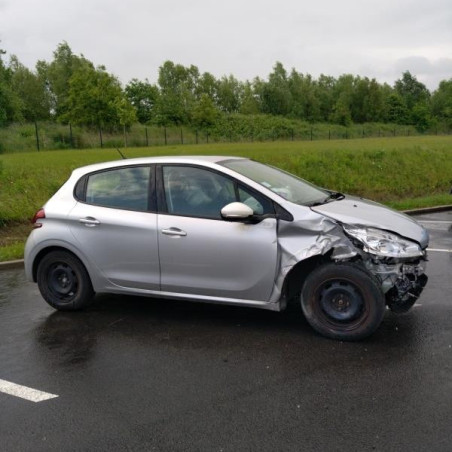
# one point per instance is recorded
(428, 210)
(20, 262)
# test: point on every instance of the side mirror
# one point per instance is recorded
(236, 211)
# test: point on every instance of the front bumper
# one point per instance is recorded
(405, 292)
(402, 282)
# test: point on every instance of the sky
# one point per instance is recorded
(378, 39)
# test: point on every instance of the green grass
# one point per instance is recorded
(12, 252)
(401, 172)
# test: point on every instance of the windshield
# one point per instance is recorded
(283, 184)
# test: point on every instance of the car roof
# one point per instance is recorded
(191, 159)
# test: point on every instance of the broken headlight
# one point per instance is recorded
(382, 243)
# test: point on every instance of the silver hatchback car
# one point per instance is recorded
(226, 230)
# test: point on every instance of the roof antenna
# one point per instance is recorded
(121, 154)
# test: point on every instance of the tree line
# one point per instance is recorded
(71, 89)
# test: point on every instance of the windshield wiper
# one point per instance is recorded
(333, 196)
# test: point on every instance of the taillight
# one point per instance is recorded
(40, 214)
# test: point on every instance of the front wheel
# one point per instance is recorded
(64, 282)
(343, 301)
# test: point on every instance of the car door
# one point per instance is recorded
(115, 226)
(200, 253)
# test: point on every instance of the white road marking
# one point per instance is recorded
(33, 395)
(437, 250)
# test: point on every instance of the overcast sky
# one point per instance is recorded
(245, 38)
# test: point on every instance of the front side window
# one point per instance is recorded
(192, 191)
(257, 202)
(122, 188)
(198, 192)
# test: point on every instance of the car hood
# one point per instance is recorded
(359, 211)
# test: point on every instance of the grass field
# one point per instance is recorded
(401, 172)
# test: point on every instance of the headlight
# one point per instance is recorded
(383, 243)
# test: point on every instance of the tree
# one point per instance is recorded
(96, 99)
(229, 94)
(250, 104)
(411, 91)
(126, 112)
(275, 95)
(204, 112)
(58, 75)
(144, 97)
(177, 93)
(397, 111)
(421, 116)
(305, 102)
(416, 97)
(343, 91)
(31, 89)
(206, 84)
(374, 102)
(359, 95)
(10, 104)
(325, 94)
(442, 102)
(341, 111)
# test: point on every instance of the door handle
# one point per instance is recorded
(89, 222)
(174, 232)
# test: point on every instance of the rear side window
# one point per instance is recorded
(123, 188)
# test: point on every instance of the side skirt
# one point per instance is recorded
(271, 306)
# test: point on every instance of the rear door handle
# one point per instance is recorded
(89, 222)
(174, 232)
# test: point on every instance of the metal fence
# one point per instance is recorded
(53, 136)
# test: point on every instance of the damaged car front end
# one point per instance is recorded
(354, 237)
(345, 258)
(395, 265)
(391, 246)
(398, 263)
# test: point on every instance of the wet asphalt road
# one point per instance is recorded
(139, 374)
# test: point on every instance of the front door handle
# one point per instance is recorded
(174, 232)
(89, 222)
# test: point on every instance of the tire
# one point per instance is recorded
(64, 282)
(343, 301)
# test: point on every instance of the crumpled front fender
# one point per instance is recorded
(310, 235)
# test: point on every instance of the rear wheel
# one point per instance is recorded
(343, 301)
(64, 282)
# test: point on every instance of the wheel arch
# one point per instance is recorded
(45, 251)
(294, 280)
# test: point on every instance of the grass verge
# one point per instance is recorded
(12, 252)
